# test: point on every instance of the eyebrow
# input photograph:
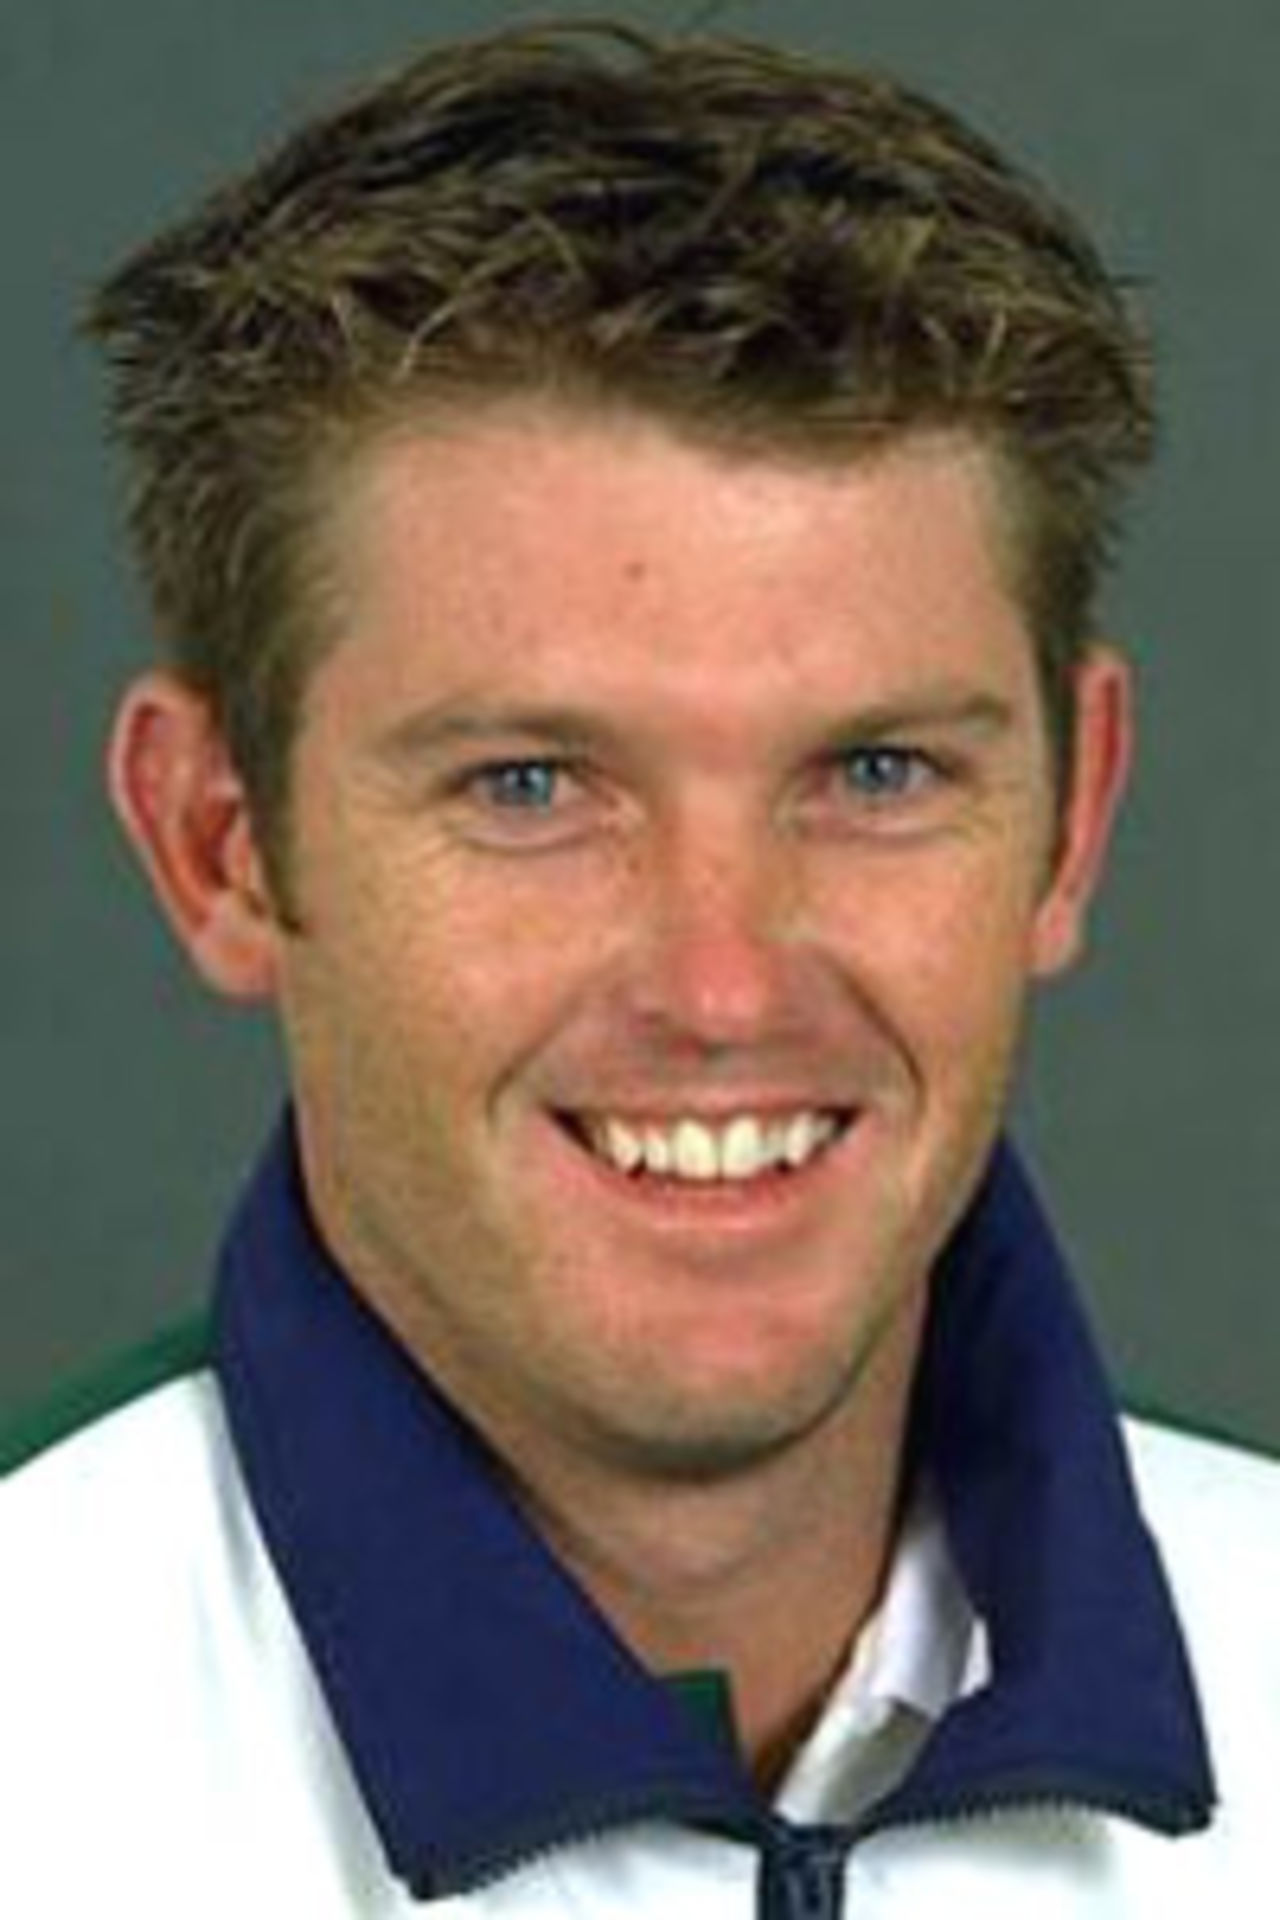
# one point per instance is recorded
(942, 709)
(431, 731)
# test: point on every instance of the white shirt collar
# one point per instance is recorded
(923, 1649)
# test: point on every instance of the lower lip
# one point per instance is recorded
(724, 1207)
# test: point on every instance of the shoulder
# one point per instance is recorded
(156, 1693)
(1214, 1509)
(104, 1521)
(121, 1523)
(78, 1404)
(116, 1469)
(1202, 1493)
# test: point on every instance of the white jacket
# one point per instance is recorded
(164, 1749)
(220, 1666)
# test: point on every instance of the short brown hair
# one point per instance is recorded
(760, 248)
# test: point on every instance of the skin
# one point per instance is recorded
(649, 780)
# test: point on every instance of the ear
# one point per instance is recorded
(184, 809)
(1103, 751)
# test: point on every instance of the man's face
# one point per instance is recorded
(672, 847)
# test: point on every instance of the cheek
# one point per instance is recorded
(940, 943)
(442, 977)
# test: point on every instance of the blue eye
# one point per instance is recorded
(883, 773)
(520, 786)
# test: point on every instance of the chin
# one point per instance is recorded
(703, 1431)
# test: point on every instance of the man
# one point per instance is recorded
(624, 518)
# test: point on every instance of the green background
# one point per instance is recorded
(130, 1103)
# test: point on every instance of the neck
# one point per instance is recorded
(767, 1575)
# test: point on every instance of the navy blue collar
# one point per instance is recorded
(487, 1708)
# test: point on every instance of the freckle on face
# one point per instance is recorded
(448, 1003)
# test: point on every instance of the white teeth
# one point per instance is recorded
(659, 1154)
(740, 1148)
(694, 1151)
(801, 1137)
(743, 1149)
(625, 1148)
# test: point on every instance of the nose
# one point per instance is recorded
(716, 962)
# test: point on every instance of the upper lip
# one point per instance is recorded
(723, 1107)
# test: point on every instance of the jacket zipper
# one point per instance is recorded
(802, 1868)
(802, 1874)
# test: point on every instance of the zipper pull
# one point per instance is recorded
(802, 1874)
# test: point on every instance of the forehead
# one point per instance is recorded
(539, 544)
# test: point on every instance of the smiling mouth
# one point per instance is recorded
(694, 1151)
